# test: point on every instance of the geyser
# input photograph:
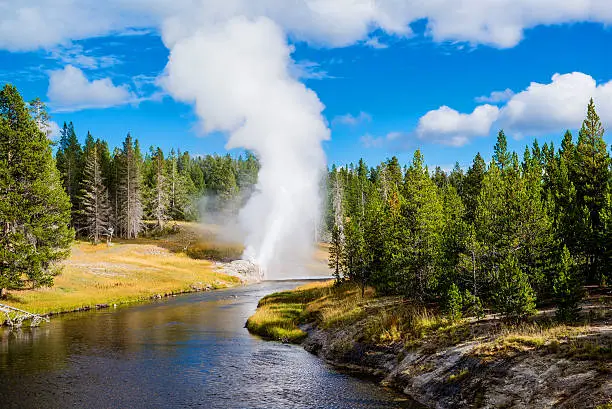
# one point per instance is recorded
(238, 75)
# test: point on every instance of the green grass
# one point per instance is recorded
(279, 315)
(458, 377)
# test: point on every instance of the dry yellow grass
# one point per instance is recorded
(278, 315)
(124, 272)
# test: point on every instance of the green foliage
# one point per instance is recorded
(454, 303)
(34, 209)
(472, 304)
(514, 298)
(567, 288)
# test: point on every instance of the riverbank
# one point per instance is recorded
(127, 271)
(443, 364)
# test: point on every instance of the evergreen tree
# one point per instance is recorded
(591, 174)
(40, 115)
(129, 190)
(70, 164)
(567, 288)
(514, 297)
(34, 209)
(501, 156)
(158, 191)
(336, 255)
(471, 186)
(424, 223)
(95, 206)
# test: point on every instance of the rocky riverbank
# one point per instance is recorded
(466, 364)
(461, 376)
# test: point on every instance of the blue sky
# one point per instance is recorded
(386, 85)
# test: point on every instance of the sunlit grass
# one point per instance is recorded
(124, 272)
(573, 341)
(279, 315)
(395, 321)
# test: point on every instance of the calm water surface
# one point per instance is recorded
(186, 352)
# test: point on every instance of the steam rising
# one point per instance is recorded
(238, 75)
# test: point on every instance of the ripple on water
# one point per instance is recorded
(186, 352)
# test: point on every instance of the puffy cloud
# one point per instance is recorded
(538, 110)
(496, 97)
(70, 90)
(329, 22)
(446, 126)
(352, 120)
(552, 107)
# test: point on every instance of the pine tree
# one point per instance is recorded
(501, 156)
(40, 115)
(424, 223)
(70, 164)
(159, 205)
(567, 288)
(471, 186)
(454, 302)
(129, 190)
(336, 255)
(95, 206)
(514, 297)
(34, 209)
(591, 174)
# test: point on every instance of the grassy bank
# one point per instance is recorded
(279, 315)
(389, 321)
(130, 271)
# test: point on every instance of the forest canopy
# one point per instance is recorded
(506, 235)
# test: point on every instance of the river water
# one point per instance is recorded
(190, 351)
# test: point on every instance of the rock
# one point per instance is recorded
(245, 270)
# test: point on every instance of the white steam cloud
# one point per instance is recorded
(245, 64)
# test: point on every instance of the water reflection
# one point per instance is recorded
(189, 351)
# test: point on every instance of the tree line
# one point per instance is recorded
(114, 192)
(88, 191)
(505, 236)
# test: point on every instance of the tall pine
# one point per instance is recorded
(34, 209)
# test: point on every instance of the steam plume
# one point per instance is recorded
(237, 73)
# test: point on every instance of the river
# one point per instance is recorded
(190, 351)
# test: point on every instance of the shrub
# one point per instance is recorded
(567, 288)
(454, 303)
(514, 298)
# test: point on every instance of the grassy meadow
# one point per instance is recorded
(133, 270)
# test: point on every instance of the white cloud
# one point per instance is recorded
(374, 42)
(392, 138)
(53, 130)
(70, 90)
(558, 105)
(446, 126)
(352, 120)
(540, 109)
(74, 54)
(500, 23)
(496, 97)
(308, 70)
